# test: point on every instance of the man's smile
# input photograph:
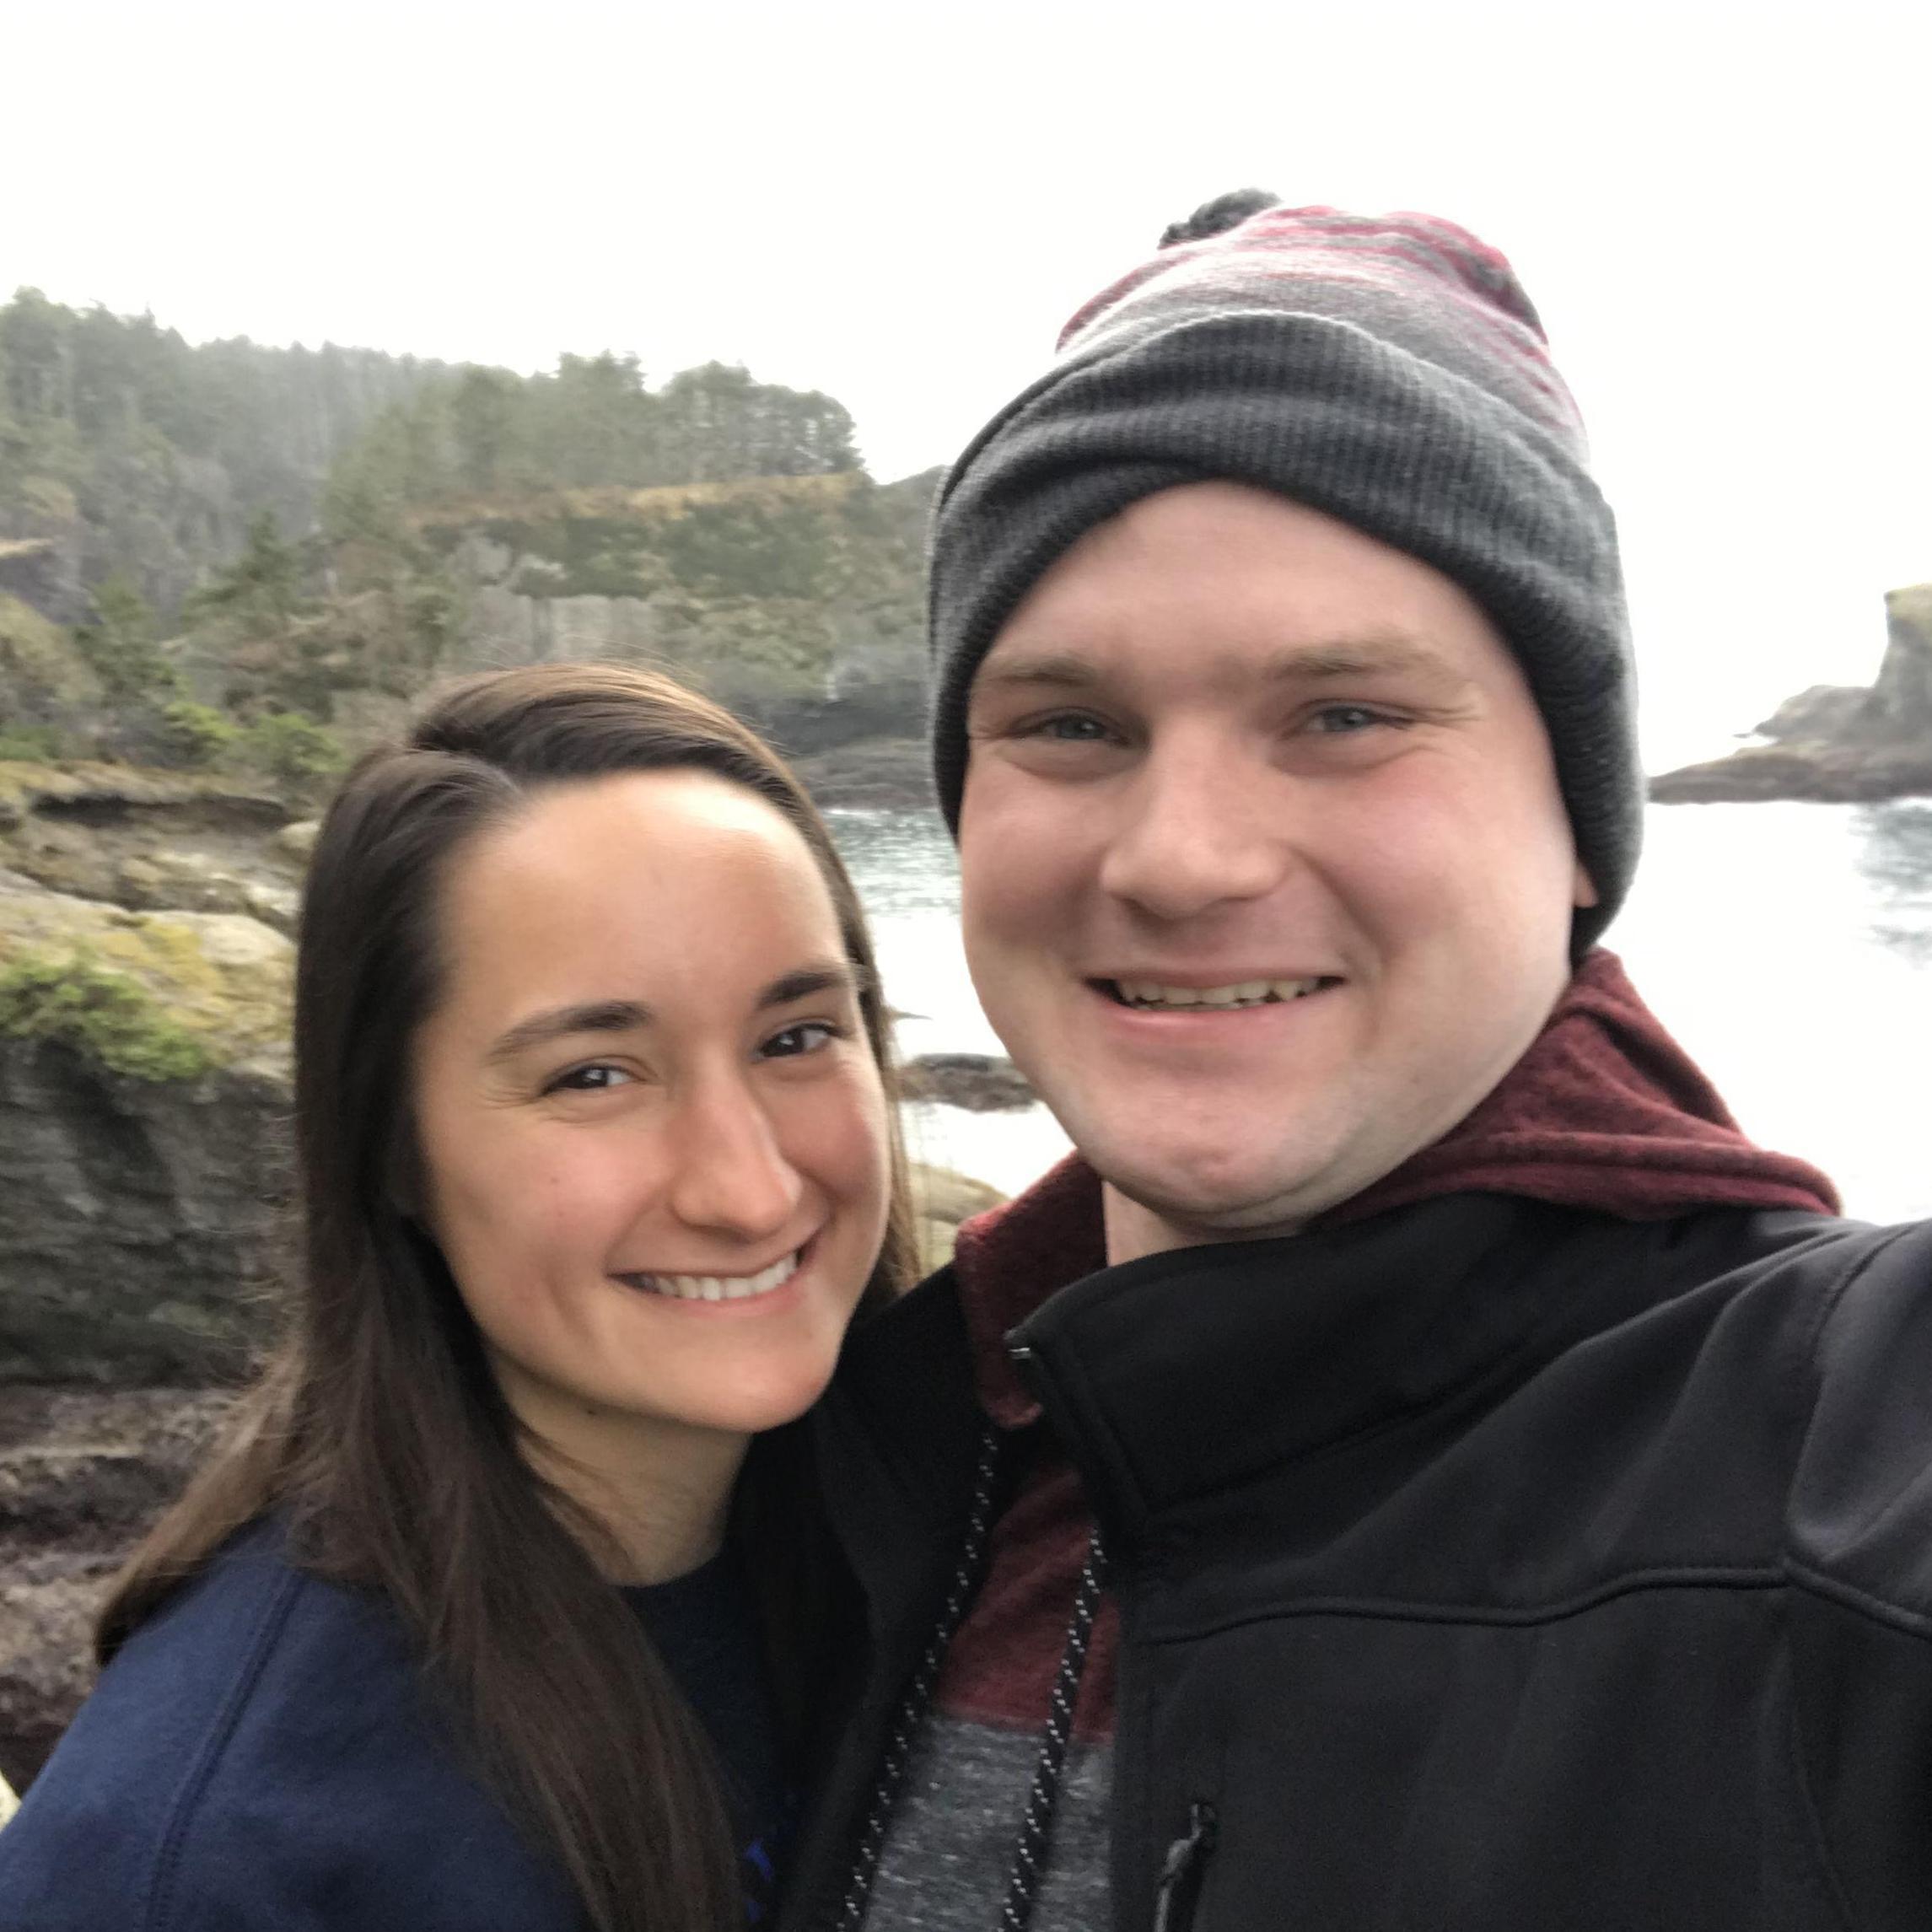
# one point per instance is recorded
(1159, 995)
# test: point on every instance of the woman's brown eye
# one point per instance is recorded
(590, 1079)
(807, 1038)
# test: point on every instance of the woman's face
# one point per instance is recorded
(654, 1136)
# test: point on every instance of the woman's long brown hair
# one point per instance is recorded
(378, 1430)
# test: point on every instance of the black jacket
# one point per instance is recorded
(1485, 1565)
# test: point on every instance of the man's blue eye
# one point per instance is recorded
(1072, 728)
(1342, 718)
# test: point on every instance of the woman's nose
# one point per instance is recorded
(732, 1177)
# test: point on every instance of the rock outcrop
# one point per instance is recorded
(157, 839)
(145, 1082)
(981, 1083)
(1837, 743)
(795, 599)
(943, 1199)
(874, 774)
(82, 1474)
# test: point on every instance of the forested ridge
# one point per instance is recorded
(232, 555)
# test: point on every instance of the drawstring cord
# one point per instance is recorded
(919, 1695)
(1043, 1795)
(1030, 1854)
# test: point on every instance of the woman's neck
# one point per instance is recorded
(659, 1491)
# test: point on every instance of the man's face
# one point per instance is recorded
(1267, 878)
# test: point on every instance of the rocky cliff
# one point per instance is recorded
(1837, 743)
(797, 600)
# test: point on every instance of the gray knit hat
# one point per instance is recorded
(1389, 371)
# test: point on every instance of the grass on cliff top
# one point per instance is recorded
(110, 1017)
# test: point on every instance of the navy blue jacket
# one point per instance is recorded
(261, 1756)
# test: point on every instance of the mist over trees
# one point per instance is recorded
(150, 457)
(594, 424)
(153, 458)
(230, 555)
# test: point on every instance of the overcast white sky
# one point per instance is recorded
(1723, 212)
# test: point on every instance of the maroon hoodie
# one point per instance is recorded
(1605, 1112)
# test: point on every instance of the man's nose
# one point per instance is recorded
(732, 1176)
(1197, 827)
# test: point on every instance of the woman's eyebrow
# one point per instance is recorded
(625, 1015)
(821, 976)
(586, 1016)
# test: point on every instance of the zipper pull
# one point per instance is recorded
(1180, 1871)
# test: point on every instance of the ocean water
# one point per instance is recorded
(1788, 946)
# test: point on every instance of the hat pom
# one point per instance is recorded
(1217, 216)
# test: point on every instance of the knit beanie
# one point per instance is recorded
(1388, 370)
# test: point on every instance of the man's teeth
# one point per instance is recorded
(1246, 992)
(719, 1287)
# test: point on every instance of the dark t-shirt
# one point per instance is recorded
(705, 1626)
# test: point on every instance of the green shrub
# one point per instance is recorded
(121, 646)
(105, 1014)
(196, 734)
(34, 743)
(288, 745)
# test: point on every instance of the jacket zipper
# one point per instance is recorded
(1182, 1870)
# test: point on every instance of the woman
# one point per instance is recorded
(497, 1609)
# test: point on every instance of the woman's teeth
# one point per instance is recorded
(718, 1287)
(1246, 992)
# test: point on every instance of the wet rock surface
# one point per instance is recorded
(83, 1473)
(144, 1091)
(943, 1200)
(1837, 743)
(893, 774)
(152, 840)
(980, 1082)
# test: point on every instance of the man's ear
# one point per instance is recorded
(1584, 892)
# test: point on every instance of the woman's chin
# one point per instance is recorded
(759, 1399)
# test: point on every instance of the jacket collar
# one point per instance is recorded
(1186, 1376)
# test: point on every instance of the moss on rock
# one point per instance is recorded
(152, 996)
(70, 997)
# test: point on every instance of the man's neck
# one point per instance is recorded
(1133, 1230)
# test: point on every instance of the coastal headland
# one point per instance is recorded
(1836, 743)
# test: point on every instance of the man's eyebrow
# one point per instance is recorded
(1362, 656)
(1056, 667)
(586, 1016)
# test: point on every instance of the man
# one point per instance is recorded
(1420, 1465)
